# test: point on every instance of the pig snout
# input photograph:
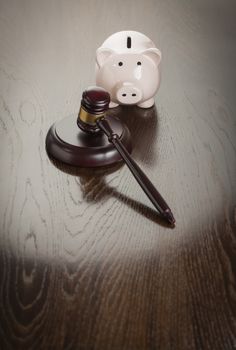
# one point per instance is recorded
(127, 93)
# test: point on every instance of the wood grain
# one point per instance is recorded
(85, 263)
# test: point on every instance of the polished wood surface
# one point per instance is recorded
(85, 261)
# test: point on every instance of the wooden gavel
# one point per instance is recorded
(92, 120)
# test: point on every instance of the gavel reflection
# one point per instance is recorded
(92, 120)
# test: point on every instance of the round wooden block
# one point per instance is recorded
(68, 144)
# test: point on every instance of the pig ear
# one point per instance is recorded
(154, 54)
(102, 55)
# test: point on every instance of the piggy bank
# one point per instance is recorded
(127, 66)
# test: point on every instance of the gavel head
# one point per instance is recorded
(94, 104)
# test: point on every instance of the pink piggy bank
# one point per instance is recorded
(127, 66)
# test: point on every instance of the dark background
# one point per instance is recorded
(85, 262)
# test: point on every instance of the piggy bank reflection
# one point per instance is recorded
(127, 66)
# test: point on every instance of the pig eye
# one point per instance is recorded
(120, 63)
(139, 63)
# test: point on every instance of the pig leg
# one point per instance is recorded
(147, 104)
(113, 104)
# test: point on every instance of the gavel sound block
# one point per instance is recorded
(102, 140)
(83, 144)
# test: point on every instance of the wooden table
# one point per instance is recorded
(85, 262)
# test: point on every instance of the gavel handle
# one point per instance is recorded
(152, 193)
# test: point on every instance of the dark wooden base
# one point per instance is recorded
(68, 144)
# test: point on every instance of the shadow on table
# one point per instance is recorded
(143, 127)
(97, 189)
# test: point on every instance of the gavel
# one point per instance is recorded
(92, 119)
